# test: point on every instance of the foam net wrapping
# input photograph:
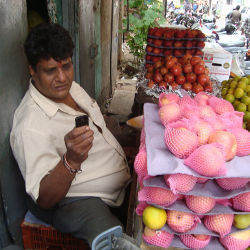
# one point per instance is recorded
(180, 183)
(232, 243)
(232, 120)
(219, 223)
(140, 207)
(232, 183)
(189, 221)
(194, 243)
(243, 141)
(200, 204)
(161, 239)
(158, 196)
(207, 160)
(140, 165)
(220, 106)
(165, 98)
(181, 142)
(241, 202)
(169, 113)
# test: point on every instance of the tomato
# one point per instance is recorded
(158, 42)
(201, 44)
(168, 52)
(169, 78)
(155, 58)
(148, 58)
(191, 77)
(149, 49)
(163, 84)
(198, 52)
(170, 62)
(176, 70)
(180, 79)
(168, 43)
(197, 88)
(189, 44)
(195, 60)
(150, 69)
(158, 64)
(187, 68)
(187, 86)
(178, 44)
(163, 70)
(149, 75)
(199, 69)
(151, 84)
(202, 79)
(156, 51)
(180, 33)
(178, 52)
(158, 77)
(191, 33)
(174, 85)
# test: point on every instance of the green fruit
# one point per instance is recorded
(247, 88)
(241, 221)
(224, 83)
(241, 107)
(230, 91)
(244, 125)
(246, 116)
(242, 84)
(235, 103)
(248, 107)
(230, 98)
(244, 79)
(245, 100)
(224, 91)
(233, 84)
(238, 93)
(236, 78)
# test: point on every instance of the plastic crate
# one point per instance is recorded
(43, 236)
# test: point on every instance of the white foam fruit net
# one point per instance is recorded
(232, 183)
(193, 242)
(180, 183)
(157, 195)
(219, 223)
(241, 202)
(220, 106)
(207, 160)
(181, 142)
(161, 239)
(200, 204)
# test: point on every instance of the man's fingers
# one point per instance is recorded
(77, 131)
(80, 138)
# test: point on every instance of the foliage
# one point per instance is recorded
(143, 14)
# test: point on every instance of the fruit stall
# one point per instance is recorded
(192, 167)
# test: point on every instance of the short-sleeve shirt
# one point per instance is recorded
(37, 141)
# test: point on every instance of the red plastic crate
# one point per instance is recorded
(42, 237)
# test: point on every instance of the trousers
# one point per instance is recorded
(83, 217)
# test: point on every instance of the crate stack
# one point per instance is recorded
(203, 186)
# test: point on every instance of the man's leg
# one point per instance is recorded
(84, 219)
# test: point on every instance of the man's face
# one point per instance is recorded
(53, 79)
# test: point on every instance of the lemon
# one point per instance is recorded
(244, 125)
(236, 78)
(241, 107)
(245, 100)
(154, 218)
(230, 91)
(224, 91)
(248, 107)
(242, 84)
(235, 103)
(233, 84)
(224, 83)
(246, 116)
(247, 88)
(238, 93)
(230, 98)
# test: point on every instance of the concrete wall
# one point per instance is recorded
(13, 83)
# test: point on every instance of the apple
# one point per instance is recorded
(169, 113)
(200, 204)
(219, 223)
(201, 236)
(241, 202)
(227, 140)
(180, 222)
(241, 235)
(168, 98)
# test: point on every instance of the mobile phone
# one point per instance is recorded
(82, 120)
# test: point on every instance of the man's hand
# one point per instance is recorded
(78, 143)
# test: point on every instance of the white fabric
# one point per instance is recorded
(37, 141)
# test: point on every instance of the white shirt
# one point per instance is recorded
(37, 141)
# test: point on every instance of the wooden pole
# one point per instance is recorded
(120, 27)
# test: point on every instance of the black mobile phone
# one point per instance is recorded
(82, 120)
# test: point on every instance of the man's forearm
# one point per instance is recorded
(54, 186)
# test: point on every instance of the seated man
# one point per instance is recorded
(73, 174)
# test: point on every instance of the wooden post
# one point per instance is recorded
(90, 46)
(114, 41)
(120, 27)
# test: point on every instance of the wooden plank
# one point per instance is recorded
(114, 42)
(106, 11)
(120, 28)
(86, 39)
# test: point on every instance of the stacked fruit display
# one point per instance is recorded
(193, 170)
(163, 42)
(188, 72)
(237, 91)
